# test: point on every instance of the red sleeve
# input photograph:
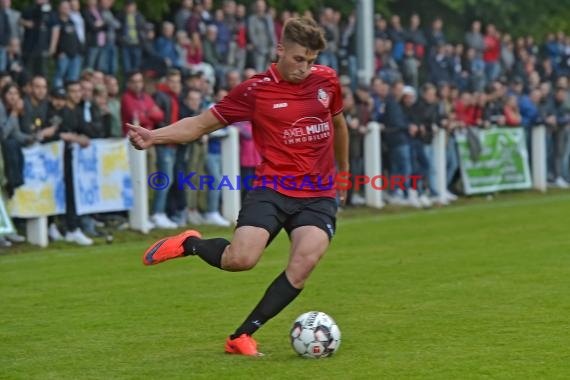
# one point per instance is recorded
(459, 111)
(144, 121)
(471, 117)
(126, 113)
(124, 110)
(155, 114)
(511, 118)
(238, 105)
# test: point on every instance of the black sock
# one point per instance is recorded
(278, 295)
(209, 250)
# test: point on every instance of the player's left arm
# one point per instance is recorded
(341, 142)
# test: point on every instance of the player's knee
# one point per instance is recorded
(299, 270)
(297, 276)
(241, 262)
(309, 261)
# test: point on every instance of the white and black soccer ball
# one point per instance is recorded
(315, 335)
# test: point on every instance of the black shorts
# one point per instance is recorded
(270, 210)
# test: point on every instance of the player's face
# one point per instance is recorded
(295, 61)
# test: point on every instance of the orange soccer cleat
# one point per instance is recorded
(242, 345)
(168, 248)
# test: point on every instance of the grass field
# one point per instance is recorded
(479, 290)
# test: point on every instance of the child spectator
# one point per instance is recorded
(249, 157)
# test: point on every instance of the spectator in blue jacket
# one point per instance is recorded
(397, 137)
(529, 106)
(214, 168)
(561, 139)
(440, 65)
(166, 47)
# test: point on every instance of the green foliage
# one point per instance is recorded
(21, 4)
(518, 18)
(344, 6)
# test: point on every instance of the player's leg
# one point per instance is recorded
(310, 231)
(308, 246)
(241, 254)
(260, 220)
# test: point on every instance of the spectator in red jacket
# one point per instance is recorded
(137, 106)
(492, 53)
(512, 113)
(479, 104)
(463, 107)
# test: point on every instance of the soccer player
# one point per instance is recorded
(295, 108)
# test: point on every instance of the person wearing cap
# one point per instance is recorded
(72, 130)
(49, 129)
(429, 120)
(416, 197)
(56, 102)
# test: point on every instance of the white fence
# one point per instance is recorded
(373, 162)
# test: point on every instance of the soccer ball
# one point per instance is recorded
(315, 335)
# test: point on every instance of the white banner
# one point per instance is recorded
(6, 226)
(43, 191)
(102, 179)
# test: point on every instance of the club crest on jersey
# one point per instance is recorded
(323, 97)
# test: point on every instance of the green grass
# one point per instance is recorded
(473, 291)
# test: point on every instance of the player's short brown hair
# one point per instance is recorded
(305, 32)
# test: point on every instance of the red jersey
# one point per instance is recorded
(292, 129)
(141, 107)
(492, 51)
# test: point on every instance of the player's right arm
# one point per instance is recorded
(183, 131)
(238, 105)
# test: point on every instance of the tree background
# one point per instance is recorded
(518, 17)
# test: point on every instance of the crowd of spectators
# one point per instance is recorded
(73, 72)
(425, 82)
